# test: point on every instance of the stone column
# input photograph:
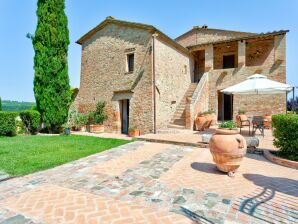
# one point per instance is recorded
(279, 48)
(209, 58)
(241, 53)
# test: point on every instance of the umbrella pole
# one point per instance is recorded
(222, 107)
(293, 98)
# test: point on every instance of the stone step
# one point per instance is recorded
(182, 123)
(179, 120)
(176, 126)
(179, 116)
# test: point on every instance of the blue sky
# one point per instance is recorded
(17, 18)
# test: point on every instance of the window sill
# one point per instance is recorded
(127, 73)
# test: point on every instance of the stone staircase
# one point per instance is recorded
(178, 120)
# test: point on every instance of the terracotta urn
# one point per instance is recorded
(97, 128)
(199, 122)
(209, 120)
(214, 118)
(228, 149)
(267, 121)
(133, 133)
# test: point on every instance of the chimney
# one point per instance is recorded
(110, 17)
(195, 27)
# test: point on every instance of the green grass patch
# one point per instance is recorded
(22, 155)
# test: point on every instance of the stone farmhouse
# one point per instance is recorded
(152, 81)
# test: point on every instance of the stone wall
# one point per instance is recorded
(274, 68)
(221, 50)
(206, 35)
(259, 52)
(104, 75)
(174, 73)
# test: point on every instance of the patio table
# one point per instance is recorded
(255, 124)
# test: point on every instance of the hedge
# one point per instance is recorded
(8, 125)
(31, 120)
(285, 132)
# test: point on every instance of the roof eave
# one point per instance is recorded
(115, 21)
(241, 38)
(149, 28)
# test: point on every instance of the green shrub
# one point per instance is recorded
(8, 125)
(99, 114)
(241, 111)
(31, 120)
(228, 125)
(285, 132)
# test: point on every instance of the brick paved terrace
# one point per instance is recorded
(144, 182)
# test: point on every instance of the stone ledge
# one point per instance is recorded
(199, 144)
(280, 161)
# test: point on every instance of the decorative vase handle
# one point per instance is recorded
(241, 143)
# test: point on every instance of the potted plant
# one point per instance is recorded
(227, 147)
(81, 121)
(66, 128)
(98, 117)
(133, 131)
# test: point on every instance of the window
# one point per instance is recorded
(185, 69)
(228, 61)
(130, 62)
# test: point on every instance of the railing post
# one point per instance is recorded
(188, 114)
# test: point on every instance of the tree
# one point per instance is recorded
(51, 81)
(0, 104)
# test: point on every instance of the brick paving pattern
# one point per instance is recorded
(152, 183)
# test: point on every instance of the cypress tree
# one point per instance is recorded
(0, 104)
(51, 81)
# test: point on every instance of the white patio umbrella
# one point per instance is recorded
(256, 84)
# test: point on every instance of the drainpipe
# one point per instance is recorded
(154, 81)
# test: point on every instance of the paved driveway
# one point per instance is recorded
(152, 183)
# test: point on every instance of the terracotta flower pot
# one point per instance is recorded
(134, 133)
(97, 128)
(83, 128)
(268, 121)
(199, 122)
(228, 149)
(238, 120)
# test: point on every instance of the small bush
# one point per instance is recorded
(8, 125)
(31, 120)
(20, 126)
(81, 120)
(285, 132)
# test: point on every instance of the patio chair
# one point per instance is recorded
(258, 124)
(244, 122)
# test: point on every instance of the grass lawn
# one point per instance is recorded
(22, 155)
